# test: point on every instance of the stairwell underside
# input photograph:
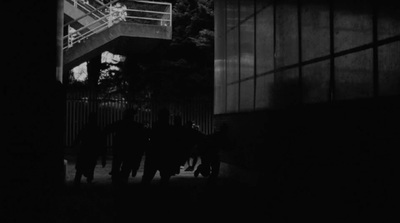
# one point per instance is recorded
(121, 38)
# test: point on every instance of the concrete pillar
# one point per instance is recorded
(59, 44)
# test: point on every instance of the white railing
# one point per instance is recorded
(107, 15)
(86, 7)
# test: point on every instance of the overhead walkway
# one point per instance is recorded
(136, 27)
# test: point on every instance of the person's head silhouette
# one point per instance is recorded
(224, 128)
(189, 124)
(93, 118)
(129, 114)
(177, 120)
(163, 115)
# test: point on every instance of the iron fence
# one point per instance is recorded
(80, 104)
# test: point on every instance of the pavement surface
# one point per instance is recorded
(187, 198)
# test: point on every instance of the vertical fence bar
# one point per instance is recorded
(70, 121)
(81, 113)
(78, 118)
(84, 109)
(80, 104)
(67, 126)
(205, 116)
(75, 120)
(201, 115)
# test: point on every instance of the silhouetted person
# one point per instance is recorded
(210, 154)
(129, 144)
(179, 151)
(92, 146)
(193, 137)
(160, 153)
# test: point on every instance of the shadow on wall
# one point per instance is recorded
(300, 153)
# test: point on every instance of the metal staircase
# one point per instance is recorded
(95, 25)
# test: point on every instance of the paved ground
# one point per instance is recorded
(186, 199)
(101, 175)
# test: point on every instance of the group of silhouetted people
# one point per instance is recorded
(166, 148)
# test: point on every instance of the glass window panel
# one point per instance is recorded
(287, 46)
(232, 11)
(286, 88)
(246, 9)
(247, 49)
(315, 82)
(247, 95)
(233, 55)
(263, 4)
(315, 29)
(389, 69)
(264, 37)
(232, 14)
(232, 98)
(264, 87)
(353, 75)
(220, 59)
(352, 24)
(388, 20)
(219, 87)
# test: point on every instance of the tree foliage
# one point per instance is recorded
(187, 67)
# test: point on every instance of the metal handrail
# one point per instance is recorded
(85, 27)
(163, 18)
(92, 8)
(84, 36)
(155, 3)
(87, 34)
(85, 7)
(100, 2)
(91, 12)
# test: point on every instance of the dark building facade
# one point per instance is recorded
(310, 93)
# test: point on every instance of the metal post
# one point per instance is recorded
(109, 17)
(170, 15)
(70, 43)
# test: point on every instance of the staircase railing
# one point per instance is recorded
(93, 13)
(143, 12)
(86, 7)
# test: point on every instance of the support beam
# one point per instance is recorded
(59, 38)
